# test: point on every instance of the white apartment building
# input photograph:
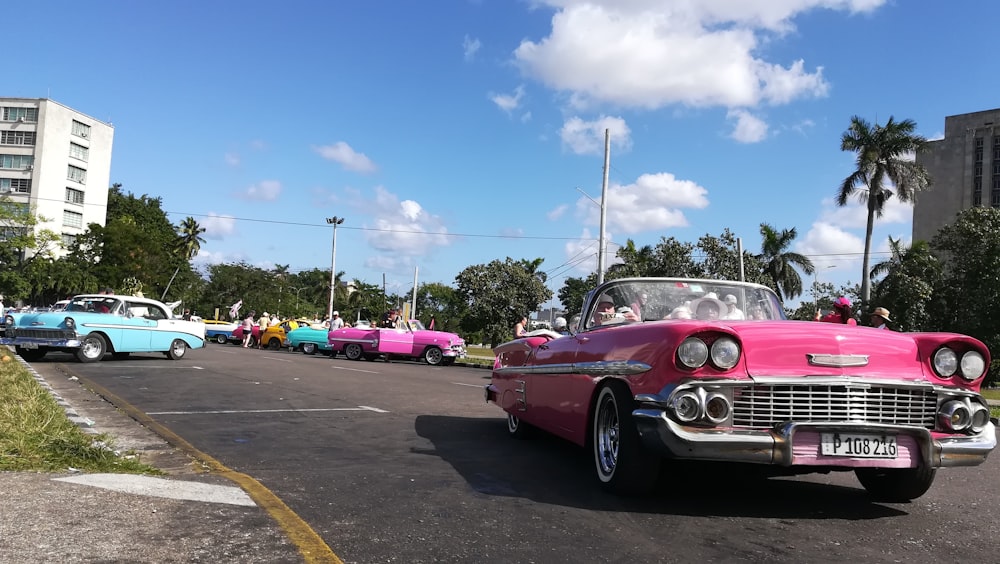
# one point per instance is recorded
(56, 161)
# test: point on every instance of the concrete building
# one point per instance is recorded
(964, 169)
(57, 162)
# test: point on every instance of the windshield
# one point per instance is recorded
(95, 304)
(634, 300)
(416, 325)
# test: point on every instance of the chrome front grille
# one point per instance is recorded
(25, 333)
(763, 406)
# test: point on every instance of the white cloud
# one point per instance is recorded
(581, 254)
(653, 202)
(749, 128)
(218, 226)
(265, 190)
(470, 46)
(232, 159)
(557, 213)
(650, 53)
(509, 102)
(343, 154)
(403, 228)
(587, 137)
(855, 214)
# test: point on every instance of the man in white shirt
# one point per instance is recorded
(734, 312)
(336, 322)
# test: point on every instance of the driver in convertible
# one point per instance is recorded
(605, 312)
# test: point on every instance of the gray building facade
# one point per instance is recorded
(964, 169)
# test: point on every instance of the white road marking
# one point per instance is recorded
(234, 411)
(471, 385)
(278, 359)
(147, 367)
(356, 370)
(160, 487)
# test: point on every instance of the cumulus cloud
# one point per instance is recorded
(403, 228)
(653, 202)
(218, 226)
(651, 54)
(342, 154)
(470, 46)
(587, 137)
(265, 191)
(509, 102)
(855, 214)
(749, 128)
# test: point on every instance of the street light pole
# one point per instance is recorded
(335, 221)
(601, 259)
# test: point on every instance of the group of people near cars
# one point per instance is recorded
(842, 313)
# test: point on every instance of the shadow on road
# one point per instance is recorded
(550, 470)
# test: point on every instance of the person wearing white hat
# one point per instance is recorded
(732, 311)
(708, 308)
(880, 318)
(336, 322)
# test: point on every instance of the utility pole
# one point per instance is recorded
(335, 221)
(601, 259)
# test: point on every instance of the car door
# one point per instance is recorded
(553, 389)
(137, 328)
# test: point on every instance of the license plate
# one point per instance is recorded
(858, 446)
(28, 345)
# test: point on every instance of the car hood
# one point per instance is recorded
(793, 348)
(49, 318)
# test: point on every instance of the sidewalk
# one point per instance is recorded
(205, 518)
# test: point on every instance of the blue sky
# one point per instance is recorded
(451, 133)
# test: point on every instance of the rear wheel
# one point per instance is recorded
(274, 344)
(93, 348)
(221, 339)
(177, 350)
(622, 465)
(309, 348)
(896, 484)
(433, 356)
(517, 428)
(30, 355)
(352, 351)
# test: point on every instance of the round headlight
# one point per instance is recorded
(725, 353)
(980, 417)
(9, 321)
(687, 408)
(973, 365)
(945, 362)
(693, 352)
(70, 324)
(717, 408)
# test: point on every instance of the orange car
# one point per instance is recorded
(273, 336)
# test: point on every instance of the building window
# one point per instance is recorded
(74, 196)
(79, 152)
(17, 137)
(17, 162)
(68, 240)
(80, 129)
(977, 174)
(72, 219)
(16, 185)
(77, 174)
(20, 114)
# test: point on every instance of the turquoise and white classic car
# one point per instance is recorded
(93, 325)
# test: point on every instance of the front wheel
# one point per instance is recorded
(896, 484)
(93, 348)
(177, 350)
(221, 339)
(309, 348)
(622, 465)
(30, 355)
(433, 356)
(352, 351)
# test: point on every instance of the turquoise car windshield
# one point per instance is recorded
(93, 304)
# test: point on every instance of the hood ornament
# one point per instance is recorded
(837, 360)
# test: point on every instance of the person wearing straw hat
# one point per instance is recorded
(880, 318)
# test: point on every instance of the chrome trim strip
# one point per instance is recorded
(598, 368)
(837, 360)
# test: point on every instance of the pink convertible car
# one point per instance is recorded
(712, 370)
(413, 341)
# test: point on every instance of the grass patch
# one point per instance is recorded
(479, 351)
(36, 435)
(991, 393)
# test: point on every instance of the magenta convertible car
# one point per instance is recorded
(413, 341)
(711, 370)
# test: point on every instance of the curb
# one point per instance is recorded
(85, 425)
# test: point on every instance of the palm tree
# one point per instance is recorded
(188, 244)
(883, 153)
(531, 266)
(779, 261)
(895, 259)
(635, 261)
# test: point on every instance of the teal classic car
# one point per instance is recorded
(93, 325)
(309, 339)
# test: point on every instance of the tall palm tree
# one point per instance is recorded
(895, 258)
(532, 267)
(883, 153)
(779, 262)
(188, 244)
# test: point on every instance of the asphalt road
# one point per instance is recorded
(403, 462)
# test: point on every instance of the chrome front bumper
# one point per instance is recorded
(35, 343)
(774, 446)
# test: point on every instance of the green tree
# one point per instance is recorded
(970, 285)
(635, 262)
(574, 291)
(882, 157)
(20, 247)
(497, 295)
(908, 288)
(779, 263)
(721, 260)
(443, 303)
